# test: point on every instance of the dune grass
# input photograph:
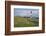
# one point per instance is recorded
(25, 22)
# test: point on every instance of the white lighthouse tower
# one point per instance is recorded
(30, 14)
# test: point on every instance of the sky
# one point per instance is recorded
(26, 12)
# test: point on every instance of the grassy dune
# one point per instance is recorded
(25, 22)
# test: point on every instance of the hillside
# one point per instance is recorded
(25, 22)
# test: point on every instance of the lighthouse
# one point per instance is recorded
(30, 14)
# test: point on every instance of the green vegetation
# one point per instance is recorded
(25, 22)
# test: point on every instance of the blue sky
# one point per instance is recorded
(26, 12)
